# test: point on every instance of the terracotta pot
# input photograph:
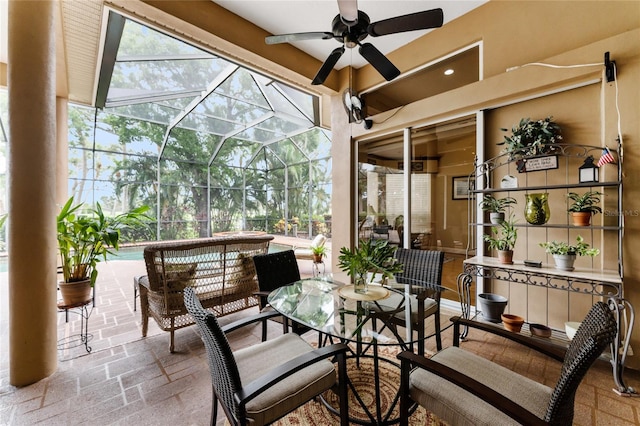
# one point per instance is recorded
(505, 257)
(75, 293)
(581, 218)
(317, 258)
(539, 330)
(512, 323)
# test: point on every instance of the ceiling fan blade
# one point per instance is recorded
(288, 38)
(379, 61)
(328, 65)
(411, 22)
(348, 10)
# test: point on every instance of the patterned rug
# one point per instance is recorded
(362, 376)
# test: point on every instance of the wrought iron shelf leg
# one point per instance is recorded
(464, 290)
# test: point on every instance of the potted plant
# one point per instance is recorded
(532, 137)
(496, 207)
(584, 206)
(565, 254)
(84, 239)
(502, 239)
(369, 257)
(318, 252)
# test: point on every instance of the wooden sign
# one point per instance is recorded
(536, 164)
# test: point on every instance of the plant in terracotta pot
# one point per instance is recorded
(84, 239)
(565, 254)
(369, 257)
(583, 206)
(532, 137)
(496, 207)
(318, 252)
(503, 238)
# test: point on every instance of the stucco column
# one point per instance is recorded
(32, 191)
(342, 199)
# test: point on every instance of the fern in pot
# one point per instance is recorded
(86, 238)
(503, 238)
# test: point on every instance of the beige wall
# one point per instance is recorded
(562, 33)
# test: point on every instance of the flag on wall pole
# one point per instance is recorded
(606, 157)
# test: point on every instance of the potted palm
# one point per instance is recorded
(503, 239)
(318, 252)
(583, 206)
(369, 257)
(496, 207)
(84, 239)
(565, 254)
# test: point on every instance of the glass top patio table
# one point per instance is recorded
(333, 308)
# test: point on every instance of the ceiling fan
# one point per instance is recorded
(351, 26)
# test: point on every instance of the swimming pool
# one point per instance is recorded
(135, 253)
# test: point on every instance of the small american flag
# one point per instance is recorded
(606, 157)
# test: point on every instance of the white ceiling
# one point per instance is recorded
(293, 16)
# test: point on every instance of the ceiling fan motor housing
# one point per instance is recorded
(351, 35)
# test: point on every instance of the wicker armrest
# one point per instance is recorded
(520, 414)
(544, 347)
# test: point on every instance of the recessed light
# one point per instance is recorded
(448, 71)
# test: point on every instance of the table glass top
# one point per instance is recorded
(331, 308)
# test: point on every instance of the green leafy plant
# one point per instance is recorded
(496, 205)
(375, 256)
(86, 239)
(586, 202)
(532, 137)
(503, 236)
(319, 250)
(562, 248)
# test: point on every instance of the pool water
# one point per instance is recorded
(135, 253)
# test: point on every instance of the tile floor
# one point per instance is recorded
(128, 380)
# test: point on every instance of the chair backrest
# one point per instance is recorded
(225, 376)
(595, 333)
(318, 240)
(276, 269)
(420, 267)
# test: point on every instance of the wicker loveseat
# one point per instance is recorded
(220, 270)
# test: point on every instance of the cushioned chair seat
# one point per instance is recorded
(395, 299)
(442, 397)
(255, 361)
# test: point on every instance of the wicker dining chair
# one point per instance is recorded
(259, 384)
(463, 388)
(273, 271)
(423, 270)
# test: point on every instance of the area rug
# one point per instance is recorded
(315, 413)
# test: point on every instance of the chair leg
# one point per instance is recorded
(135, 292)
(405, 368)
(214, 409)
(438, 336)
(171, 345)
(264, 330)
(342, 389)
